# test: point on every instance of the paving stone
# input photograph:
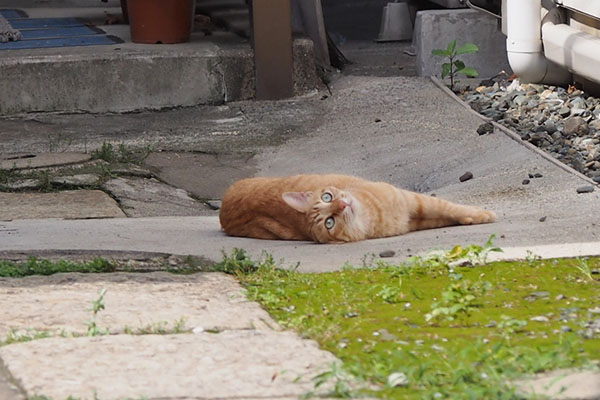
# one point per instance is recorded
(8, 390)
(38, 160)
(67, 204)
(132, 170)
(23, 184)
(62, 302)
(142, 197)
(232, 364)
(76, 180)
(235, 351)
(189, 171)
(563, 385)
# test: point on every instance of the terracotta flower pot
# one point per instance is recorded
(160, 21)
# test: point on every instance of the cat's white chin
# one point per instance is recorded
(356, 218)
(350, 209)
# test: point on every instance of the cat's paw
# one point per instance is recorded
(484, 217)
(480, 217)
(487, 217)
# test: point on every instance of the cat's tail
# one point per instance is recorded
(431, 212)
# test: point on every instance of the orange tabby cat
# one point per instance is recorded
(335, 208)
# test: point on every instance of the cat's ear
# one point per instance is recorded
(299, 201)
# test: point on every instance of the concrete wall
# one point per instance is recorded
(130, 79)
(434, 29)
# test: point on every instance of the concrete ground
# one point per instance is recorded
(378, 125)
(402, 130)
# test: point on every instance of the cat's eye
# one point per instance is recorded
(329, 223)
(327, 197)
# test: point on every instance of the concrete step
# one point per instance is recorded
(209, 69)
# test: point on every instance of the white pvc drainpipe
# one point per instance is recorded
(573, 49)
(524, 44)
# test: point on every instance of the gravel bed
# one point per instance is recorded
(565, 123)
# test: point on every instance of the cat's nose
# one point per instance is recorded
(342, 204)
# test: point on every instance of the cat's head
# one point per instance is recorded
(334, 214)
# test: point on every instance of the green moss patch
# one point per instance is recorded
(435, 329)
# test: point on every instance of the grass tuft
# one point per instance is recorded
(120, 154)
(34, 266)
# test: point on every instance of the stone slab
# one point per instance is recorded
(563, 385)
(141, 197)
(76, 180)
(39, 160)
(434, 29)
(190, 170)
(231, 364)
(8, 390)
(62, 303)
(69, 205)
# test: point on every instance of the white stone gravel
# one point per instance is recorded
(563, 122)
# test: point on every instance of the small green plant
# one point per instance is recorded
(239, 263)
(7, 176)
(584, 267)
(459, 299)
(159, 328)
(235, 263)
(15, 336)
(454, 67)
(509, 326)
(59, 144)
(45, 181)
(106, 153)
(391, 293)
(179, 326)
(337, 376)
(532, 258)
(97, 306)
(120, 154)
(458, 256)
(156, 328)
